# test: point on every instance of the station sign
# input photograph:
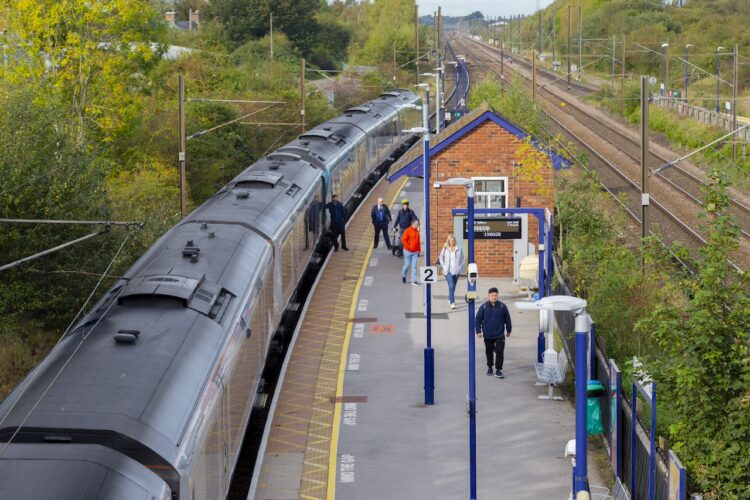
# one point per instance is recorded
(505, 228)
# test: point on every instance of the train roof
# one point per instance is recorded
(263, 196)
(334, 139)
(134, 368)
(73, 472)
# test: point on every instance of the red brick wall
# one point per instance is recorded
(487, 151)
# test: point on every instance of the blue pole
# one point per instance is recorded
(652, 457)
(458, 86)
(442, 96)
(548, 246)
(429, 353)
(472, 369)
(592, 361)
(581, 473)
(466, 88)
(540, 266)
(633, 423)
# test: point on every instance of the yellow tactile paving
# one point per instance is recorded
(303, 422)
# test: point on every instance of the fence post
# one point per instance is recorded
(676, 484)
(615, 426)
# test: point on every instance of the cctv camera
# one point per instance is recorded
(473, 274)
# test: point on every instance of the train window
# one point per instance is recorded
(287, 265)
(491, 192)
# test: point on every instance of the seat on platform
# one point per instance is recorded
(552, 373)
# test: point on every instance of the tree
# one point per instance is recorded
(703, 362)
(248, 19)
(92, 54)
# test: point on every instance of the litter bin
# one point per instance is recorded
(594, 390)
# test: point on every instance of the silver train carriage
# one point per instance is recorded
(149, 395)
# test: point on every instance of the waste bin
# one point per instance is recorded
(594, 390)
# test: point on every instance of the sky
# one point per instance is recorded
(491, 8)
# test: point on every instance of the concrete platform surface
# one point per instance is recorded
(351, 422)
(392, 446)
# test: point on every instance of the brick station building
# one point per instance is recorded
(509, 169)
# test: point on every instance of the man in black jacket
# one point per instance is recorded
(338, 222)
(493, 322)
(381, 217)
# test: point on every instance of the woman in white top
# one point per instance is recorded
(452, 261)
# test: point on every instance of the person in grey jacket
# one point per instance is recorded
(493, 322)
(452, 262)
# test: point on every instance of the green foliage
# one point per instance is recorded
(90, 54)
(380, 26)
(703, 362)
(604, 270)
(41, 142)
(511, 100)
(248, 19)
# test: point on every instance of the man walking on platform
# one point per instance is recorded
(381, 217)
(338, 222)
(404, 218)
(493, 322)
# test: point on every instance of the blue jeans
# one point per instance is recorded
(410, 259)
(452, 279)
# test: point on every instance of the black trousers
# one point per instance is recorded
(384, 229)
(496, 347)
(336, 230)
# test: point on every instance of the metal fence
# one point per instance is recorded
(617, 420)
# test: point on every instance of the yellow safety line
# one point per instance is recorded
(333, 453)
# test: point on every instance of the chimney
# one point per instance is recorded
(171, 17)
(194, 19)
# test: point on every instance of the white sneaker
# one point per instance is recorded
(453, 306)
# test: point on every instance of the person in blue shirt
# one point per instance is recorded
(493, 322)
(338, 222)
(381, 217)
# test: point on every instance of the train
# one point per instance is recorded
(149, 395)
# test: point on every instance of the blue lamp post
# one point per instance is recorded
(471, 295)
(429, 353)
(576, 306)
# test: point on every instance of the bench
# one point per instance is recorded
(552, 374)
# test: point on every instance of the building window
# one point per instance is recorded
(491, 192)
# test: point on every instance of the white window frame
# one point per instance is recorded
(478, 193)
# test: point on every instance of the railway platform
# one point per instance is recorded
(349, 419)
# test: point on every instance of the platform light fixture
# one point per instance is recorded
(662, 85)
(718, 77)
(577, 307)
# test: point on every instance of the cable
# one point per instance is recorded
(84, 336)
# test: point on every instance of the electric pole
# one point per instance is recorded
(644, 155)
(416, 31)
(570, 28)
(183, 140)
(302, 94)
(734, 104)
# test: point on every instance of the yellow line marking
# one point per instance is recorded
(333, 453)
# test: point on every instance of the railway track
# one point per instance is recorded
(675, 192)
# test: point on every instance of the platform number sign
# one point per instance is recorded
(428, 274)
